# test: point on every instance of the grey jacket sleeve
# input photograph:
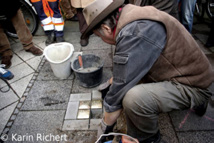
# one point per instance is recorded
(139, 45)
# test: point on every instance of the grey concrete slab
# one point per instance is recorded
(39, 39)
(94, 123)
(71, 26)
(107, 74)
(20, 71)
(96, 95)
(16, 47)
(95, 43)
(187, 120)
(196, 137)
(20, 85)
(72, 37)
(7, 98)
(46, 73)
(34, 62)
(48, 95)
(105, 55)
(25, 55)
(81, 136)
(71, 112)
(75, 125)
(15, 60)
(166, 129)
(80, 97)
(36, 123)
(5, 115)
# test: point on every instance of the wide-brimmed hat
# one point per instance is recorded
(98, 11)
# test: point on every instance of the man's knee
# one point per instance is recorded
(136, 99)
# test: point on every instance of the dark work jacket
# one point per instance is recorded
(8, 8)
(169, 6)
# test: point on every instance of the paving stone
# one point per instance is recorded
(39, 39)
(94, 124)
(166, 129)
(20, 85)
(19, 72)
(196, 137)
(84, 104)
(71, 112)
(16, 60)
(13, 117)
(80, 97)
(34, 62)
(16, 47)
(46, 73)
(75, 125)
(72, 37)
(25, 55)
(96, 95)
(105, 55)
(202, 37)
(83, 114)
(96, 113)
(95, 43)
(5, 115)
(107, 74)
(48, 95)
(187, 120)
(71, 26)
(37, 122)
(9, 124)
(7, 98)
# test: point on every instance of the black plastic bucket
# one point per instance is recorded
(91, 74)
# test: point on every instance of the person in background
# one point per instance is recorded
(169, 6)
(187, 8)
(210, 40)
(10, 11)
(158, 67)
(79, 5)
(51, 18)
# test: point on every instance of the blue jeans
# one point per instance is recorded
(187, 13)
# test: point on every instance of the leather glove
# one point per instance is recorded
(103, 128)
(104, 88)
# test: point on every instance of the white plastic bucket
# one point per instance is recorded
(59, 56)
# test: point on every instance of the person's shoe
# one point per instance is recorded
(60, 39)
(6, 60)
(35, 51)
(153, 139)
(84, 41)
(5, 74)
(201, 109)
(50, 39)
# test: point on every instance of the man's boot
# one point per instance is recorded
(50, 38)
(60, 39)
(6, 60)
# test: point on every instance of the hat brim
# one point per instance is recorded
(113, 6)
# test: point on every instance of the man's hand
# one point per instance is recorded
(104, 88)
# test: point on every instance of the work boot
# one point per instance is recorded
(50, 39)
(6, 60)
(153, 139)
(60, 39)
(201, 109)
(5, 74)
(84, 41)
(35, 51)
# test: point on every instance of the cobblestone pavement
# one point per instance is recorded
(41, 108)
